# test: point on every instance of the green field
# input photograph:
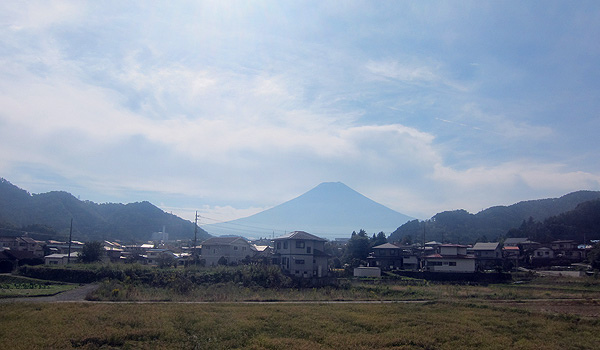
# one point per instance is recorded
(16, 286)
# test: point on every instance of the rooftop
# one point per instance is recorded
(300, 235)
(486, 246)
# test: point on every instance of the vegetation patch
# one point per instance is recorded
(16, 286)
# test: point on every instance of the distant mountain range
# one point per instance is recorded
(48, 215)
(329, 210)
(460, 226)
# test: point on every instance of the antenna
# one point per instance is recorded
(194, 253)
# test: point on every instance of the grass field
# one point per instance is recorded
(433, 325)
(536, 313)
(368, 289)
(16, 286)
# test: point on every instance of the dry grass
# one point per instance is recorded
(289, 326)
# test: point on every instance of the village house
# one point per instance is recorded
(61, 259)
(512, 256)
(226, 250)
(450, 258)
(386, 256)
(301, 254)
(23, 244)
(487, 255)
(160, 256)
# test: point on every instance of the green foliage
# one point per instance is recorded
(459, 226)
(583, 221)
(48, 215)
(358, 248)
(594, 257)
(92, 252)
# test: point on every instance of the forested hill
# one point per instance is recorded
(491, 224)
(49, 214)
(581, 224)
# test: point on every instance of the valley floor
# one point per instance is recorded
(545, 313)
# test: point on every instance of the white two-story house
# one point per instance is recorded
(301, 254)
(228, 250)
(450, 258)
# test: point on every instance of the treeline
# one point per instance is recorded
(355, 252)
(267, 276)
(581, 224)
(492, 224)
(48, 216)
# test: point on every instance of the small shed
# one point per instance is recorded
(367, 272)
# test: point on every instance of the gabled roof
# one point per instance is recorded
(223, 240)
(300, 235)
(387, 246)
(514, 240)
(445, 256)
(486, 246)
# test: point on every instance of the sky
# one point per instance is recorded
(233, 107)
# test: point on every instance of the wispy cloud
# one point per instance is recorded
(238, 107)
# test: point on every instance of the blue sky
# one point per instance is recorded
(232, 107)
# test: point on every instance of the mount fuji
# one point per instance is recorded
(330, 210)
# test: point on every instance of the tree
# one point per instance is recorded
(594, 256)
(166, 259)
(92, 251)
(358, 248)
(379, 239)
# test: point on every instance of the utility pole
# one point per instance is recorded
(70, 240)
(423, 251)
(194, 253)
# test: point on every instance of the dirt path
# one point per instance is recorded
(77, 294)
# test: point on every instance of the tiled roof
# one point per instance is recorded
(300, 235)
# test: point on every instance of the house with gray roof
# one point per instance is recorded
(301, 254)
(487, 255)
(228, 250)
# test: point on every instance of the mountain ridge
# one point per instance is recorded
(91, 221)
(460, 226)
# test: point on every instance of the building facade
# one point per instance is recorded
(301, 254)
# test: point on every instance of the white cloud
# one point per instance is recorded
(39, 15)
(507, 126)
(410, 72)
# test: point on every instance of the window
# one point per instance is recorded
(393, 252)
(452, 263)
(308, 250)
(244, 249)
(300, 244)
(300, 261)
(235, 248)
(278, 245)
(285, 245)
